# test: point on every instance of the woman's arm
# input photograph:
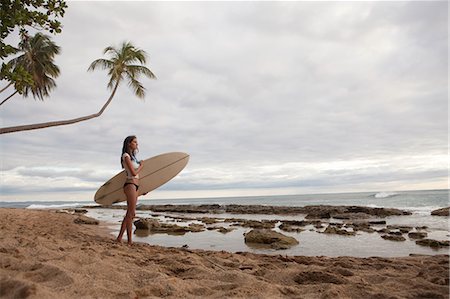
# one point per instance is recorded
(130, 166)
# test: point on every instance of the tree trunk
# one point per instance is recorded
(4, 88)
(58, 123)
(8, 98)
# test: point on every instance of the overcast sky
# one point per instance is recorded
(266, 97)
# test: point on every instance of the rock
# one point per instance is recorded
(441, 212)
(318, 215)
(195, 228)
(224, 230)
(383, 231)
(377, 222)
(289, 228)
(207, 220)
(432, 243)
(75, 211)
(421, 227)
(351, 216)
(334, 230)
(393, 237)
(318, 225)
(152, 225)
(269, 237)
(319, 210)
(340, 225)
(401, 228)
(86, 220)
(417, 235)
(302, 222)
(379, 212)
(395, 233)
(146, 223)
(360, 226)
(267, 224)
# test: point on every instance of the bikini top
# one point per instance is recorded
(135, 164)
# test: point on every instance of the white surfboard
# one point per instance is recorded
(157, 171)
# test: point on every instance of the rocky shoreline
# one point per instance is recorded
(313, 211)
(323, 219)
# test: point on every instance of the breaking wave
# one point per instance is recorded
(43, 206)
(385, 194)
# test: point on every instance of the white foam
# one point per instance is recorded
(385, 194)
(426, 210)
(67, 205)
(373, 206)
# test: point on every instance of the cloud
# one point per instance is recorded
(260, 94)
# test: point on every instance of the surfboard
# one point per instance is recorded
(156, 172)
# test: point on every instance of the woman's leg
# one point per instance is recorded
(127, 222)
(131, 193)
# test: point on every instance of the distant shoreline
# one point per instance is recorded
(22, 203)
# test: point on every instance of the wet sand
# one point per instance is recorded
(44, 254)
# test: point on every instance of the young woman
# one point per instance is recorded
(132, 168)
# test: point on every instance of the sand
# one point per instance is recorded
(44, 254)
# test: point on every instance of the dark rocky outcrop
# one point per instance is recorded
(289, 228)
(402, 228)
(393, 237)
(417, 235)
(268, 224)
(318, 215)
(360, 226)
(224, 230)
(271, 238)
(441, 212)
(432, 243)
(86, 220)
(322, 211)
(154, 226)
(335, 230)
(75, 211)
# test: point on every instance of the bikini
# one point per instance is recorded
(135, 164)
(137, 186)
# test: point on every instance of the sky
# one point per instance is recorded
(268, 98)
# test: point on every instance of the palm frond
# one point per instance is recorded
(136, 86)
(102, 63)
(122, 64)
(136, 70)
(38, 61)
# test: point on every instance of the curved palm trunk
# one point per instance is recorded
(4, 88)
(8, 98)
(59, 123)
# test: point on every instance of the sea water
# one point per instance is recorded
(311, 243)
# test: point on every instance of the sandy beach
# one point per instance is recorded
(45, 254)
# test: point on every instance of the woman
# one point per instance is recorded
(132, 168)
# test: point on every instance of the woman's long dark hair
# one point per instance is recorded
(126, 145)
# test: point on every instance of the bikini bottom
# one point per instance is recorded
(137, 186)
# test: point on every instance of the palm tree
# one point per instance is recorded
(37, 64)
(120, 66)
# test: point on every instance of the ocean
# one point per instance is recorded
(312, 243)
